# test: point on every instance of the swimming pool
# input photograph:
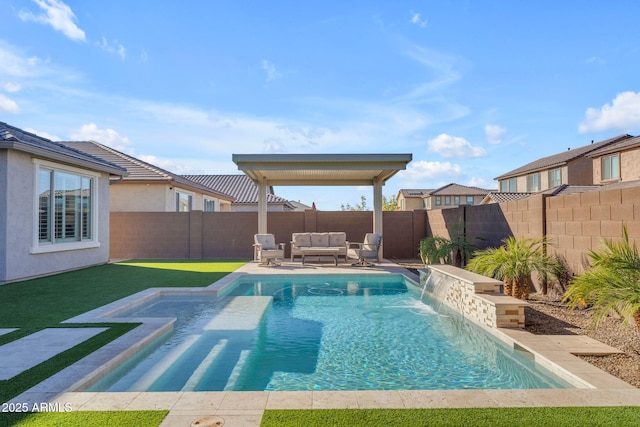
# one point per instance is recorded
(330, 332)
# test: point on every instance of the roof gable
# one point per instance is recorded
(458, 190)
(562, 158)
(14, 138)
(139, 170)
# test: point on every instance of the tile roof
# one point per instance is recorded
(498, 197)
(619, 146)
(139, 170)
(459, 190)
(415, 193)
(15, 138)
(238, 186)
(563, 157)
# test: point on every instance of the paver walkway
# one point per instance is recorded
(25, 353)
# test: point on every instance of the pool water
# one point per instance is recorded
(342, 332)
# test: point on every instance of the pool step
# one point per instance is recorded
(235, 374)
(197, 375)
(146, 381)
(242, 313)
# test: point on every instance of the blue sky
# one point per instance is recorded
(472, 89)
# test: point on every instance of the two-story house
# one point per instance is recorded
(448, 196)
(618, 162)
(572, 167)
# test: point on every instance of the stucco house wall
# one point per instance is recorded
(3, 214)
(23, 256)
(581, 171)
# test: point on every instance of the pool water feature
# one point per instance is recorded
(331, 332)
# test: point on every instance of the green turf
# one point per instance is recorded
(49, 300)
(84, 418)
(477, 417)
(41, 303)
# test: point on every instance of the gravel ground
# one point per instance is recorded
(546, 316)
(550, 317)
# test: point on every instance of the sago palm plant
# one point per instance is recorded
(514, 262)
(612, 283)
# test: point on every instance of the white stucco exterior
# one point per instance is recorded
(21, 256)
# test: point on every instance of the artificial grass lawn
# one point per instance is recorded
(477, 417)
(84, 418)
(41, 303)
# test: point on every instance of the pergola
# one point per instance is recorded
(321, 170)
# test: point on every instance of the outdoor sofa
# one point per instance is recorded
(312, 240)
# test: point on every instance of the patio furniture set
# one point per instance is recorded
(330, 244)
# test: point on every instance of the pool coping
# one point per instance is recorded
(556, 352)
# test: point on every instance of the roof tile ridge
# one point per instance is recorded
(142, 163)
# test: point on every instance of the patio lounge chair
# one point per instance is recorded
(265, 249)
(366, 251)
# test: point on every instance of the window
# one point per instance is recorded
(183, 202)
(447, 200)
(508, 185)
(65, 206)
(456, 200)
(533, 182)
(426, 202)
(470, 200)
(555, 177)
(401, 204)
(209, 205)
(610, 167)
(438, 201)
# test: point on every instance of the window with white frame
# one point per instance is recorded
(209, 205)
(470, 200)
(66, 205)
(533, 182)
(555, 177)
(610, 167)
(456, 200)
(184, 202)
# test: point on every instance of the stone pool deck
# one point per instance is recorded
(558, 353)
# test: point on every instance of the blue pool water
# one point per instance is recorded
(343, 332)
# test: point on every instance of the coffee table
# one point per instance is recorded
(320, 252)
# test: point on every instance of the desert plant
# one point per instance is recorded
(435, 250)
(612, 283)
(440, 250)
(514, 262)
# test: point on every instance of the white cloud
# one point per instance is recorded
(623, 113)
(451, 147)
(58, 15)
(421, 170)
(270, 70)
(114, 49)
(494, 133)
(10, 87)
(8, 105)
(443, 67)
(481, 183)
(109, 137)
(416, 18)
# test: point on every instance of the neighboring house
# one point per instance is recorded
(148, 188)
(618, 162)
(454, 195)
(573, 167)
(243, 190)
(409, 200)
(54, 206)
(300, 207)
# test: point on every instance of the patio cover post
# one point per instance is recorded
(262, 207)
(377, 207)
